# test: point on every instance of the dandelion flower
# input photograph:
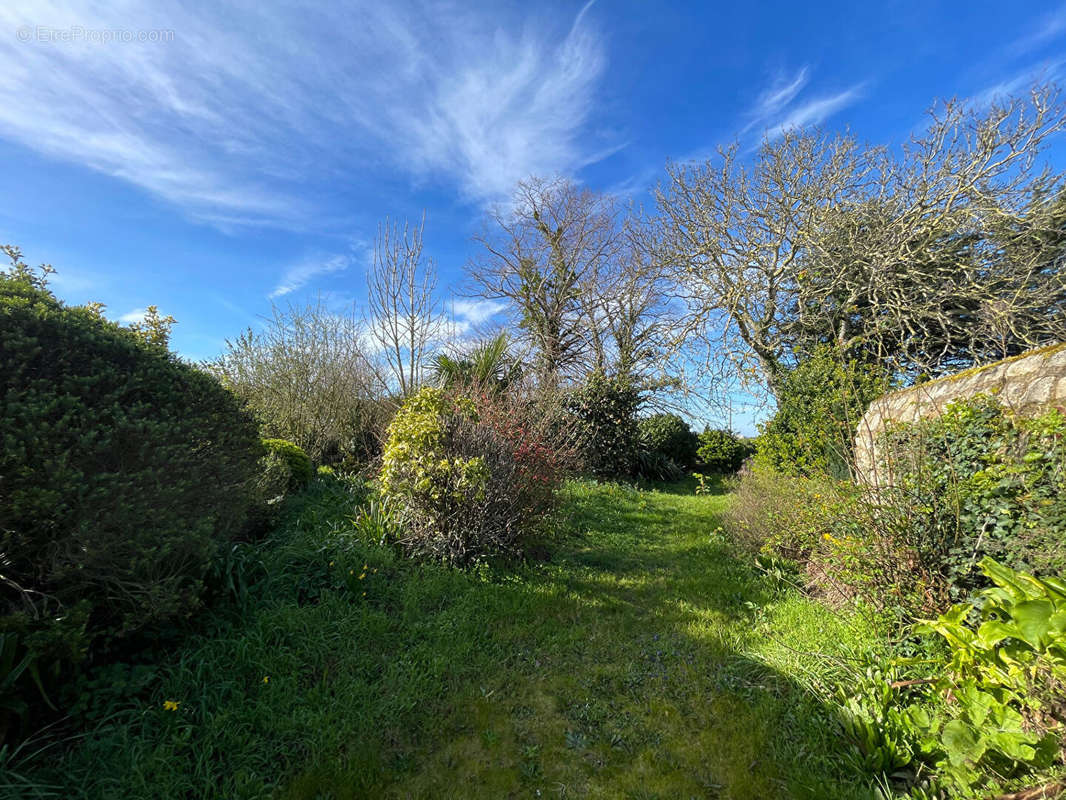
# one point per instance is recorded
(364, 594)
(362, 575)
(351, 572)
(171, 705)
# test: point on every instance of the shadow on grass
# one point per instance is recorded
(631, 680)
(621, 668)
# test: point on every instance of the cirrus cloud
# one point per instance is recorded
(235, 127)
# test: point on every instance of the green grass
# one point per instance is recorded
(642, 659)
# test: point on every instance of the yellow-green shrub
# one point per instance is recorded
(300, 470)
(464, 481)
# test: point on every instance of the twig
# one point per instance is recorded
(1037, 793)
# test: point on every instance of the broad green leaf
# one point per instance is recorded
(1056, 586)
(1004, 577)
(961, 742)
(993, 632)
(1058, 621)
(1033, 618)
(978, 705)
(1014, 745)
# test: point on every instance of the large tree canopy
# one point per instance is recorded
(942, 254)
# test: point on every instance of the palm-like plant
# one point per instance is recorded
(489, 365)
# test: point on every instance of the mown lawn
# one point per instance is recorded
(639, 658)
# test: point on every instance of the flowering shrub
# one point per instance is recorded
(466, 477)
(835, 535)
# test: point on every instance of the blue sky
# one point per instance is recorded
(245, 152)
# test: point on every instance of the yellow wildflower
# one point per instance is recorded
(171, 705)
(362, 575)
(266, 679)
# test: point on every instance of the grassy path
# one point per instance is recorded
(641, 660)
(646, 673)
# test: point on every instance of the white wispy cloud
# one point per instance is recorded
(1019, 83)
(133, 316)
(244, 106)
(1044, 30)
(300, 274)
(778, 95)
(476, 312)
(814, 112)
(780, 107)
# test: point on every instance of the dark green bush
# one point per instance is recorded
(122, 468)
(300, 470)
(819, 405)
(605, 412)
(722, 451)
(668, 436)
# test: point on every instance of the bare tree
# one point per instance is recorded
(540, 255)
(631, 311)
(404, 314)
(938, 256)
(305, 376)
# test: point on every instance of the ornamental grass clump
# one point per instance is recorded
(466, 476)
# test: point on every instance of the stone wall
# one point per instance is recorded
(1028, 384)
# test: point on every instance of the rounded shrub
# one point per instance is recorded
(668, 436)
(722, 451)
(300, 470)
(605, 415)
(465, 479)
(122, 468)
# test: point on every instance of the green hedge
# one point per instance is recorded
(122, 468)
